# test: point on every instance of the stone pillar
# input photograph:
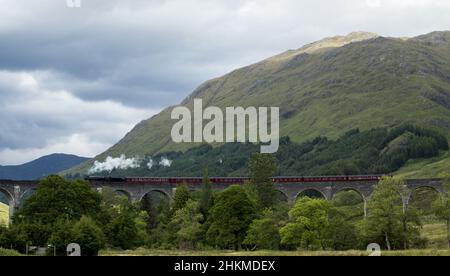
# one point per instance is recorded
(16, 196)
(292, 196)
(12, 209)
(291, 200)
(327, 192)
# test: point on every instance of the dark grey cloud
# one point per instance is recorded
(137, 56)
(156, 52)
(36, 120)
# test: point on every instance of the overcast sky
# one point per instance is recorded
(76, 80)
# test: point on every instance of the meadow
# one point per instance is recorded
(4, 214)
(434, 232)
(425, 168)
(148, 252)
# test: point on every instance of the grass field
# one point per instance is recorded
(147, 252)
(436, 235)
(426, 168)
(434, 232)
(7, 252)
(4, 214)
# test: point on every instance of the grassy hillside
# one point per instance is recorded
(325, 89)
(436, 233)
(376, 151)
(4, 214)
(426, 168)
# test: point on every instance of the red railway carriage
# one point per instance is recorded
(236, 180)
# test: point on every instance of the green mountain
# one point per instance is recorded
(324, 89)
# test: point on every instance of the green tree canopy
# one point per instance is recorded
(187, 222)
(388, 223)
(181, 197)
(56, 198)
(308, 226)
(206, 196)
(62, 235)
(89, 236)
(229, 218)
(263, 233)
(262, 167)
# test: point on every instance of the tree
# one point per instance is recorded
(308, 226)
(442, 205)
(148, 206)
(206, 196)
(56, 198)
(230, 218)
(181, 197)
(141, 222)
(89, 236)
(122, 231)
(13, 237)
(111, 204)
(263, 233)
(37, 232)
(341, 234)
(165, 234)
(388, 222)
(187, 222)
(62, 235)
(119, 220)
(261, 168)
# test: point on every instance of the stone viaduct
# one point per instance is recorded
(289, 188)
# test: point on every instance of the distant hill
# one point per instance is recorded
(41, 167)
(323, 89)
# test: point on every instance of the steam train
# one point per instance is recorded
(234, 180)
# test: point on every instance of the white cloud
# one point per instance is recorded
(36, 121)
(373, 3)
(77, 144)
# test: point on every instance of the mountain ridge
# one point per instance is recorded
(365, 81)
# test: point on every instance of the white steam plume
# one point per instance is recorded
(111, 164)
(165, 162)
(150, 164)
